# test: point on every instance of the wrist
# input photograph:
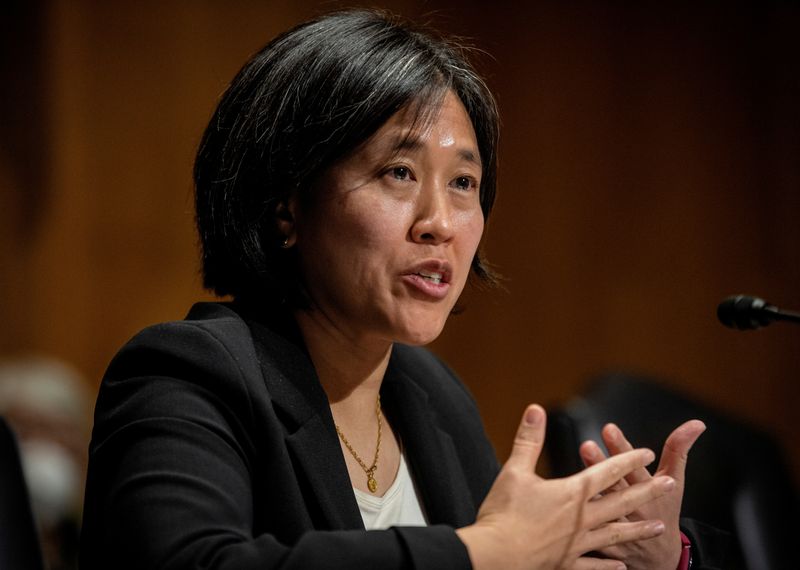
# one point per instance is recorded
(483, 546)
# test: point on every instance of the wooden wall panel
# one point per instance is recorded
(649, 167)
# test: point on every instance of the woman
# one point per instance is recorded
(342, 187)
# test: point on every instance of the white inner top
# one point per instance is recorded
(399, 506)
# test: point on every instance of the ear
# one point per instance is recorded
(285, 222)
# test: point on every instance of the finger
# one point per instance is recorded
(589, 563)
(676, 449)
(615, 505)
(603, 475)
(617, 443)
(529, 439)
(610, 535)
(591, 454)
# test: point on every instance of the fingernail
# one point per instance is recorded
(656, 528)
(621, 566)
(667, 483)
(533, 415)
(649, 456)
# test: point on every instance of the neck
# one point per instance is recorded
(350, 370)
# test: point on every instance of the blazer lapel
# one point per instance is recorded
(301, 404)
(432, 456)
(317, 454)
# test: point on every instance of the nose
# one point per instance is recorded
(433, 222)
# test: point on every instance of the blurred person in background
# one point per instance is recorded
(47, 404)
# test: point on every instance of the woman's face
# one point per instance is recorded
(386, 244)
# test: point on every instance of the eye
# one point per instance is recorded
(400, 173)
(465, 183)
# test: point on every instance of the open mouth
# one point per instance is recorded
(431, 276)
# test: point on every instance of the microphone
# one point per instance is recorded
(744, 312)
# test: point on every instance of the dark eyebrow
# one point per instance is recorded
(470, 156)
(413, 143)
(407, 142)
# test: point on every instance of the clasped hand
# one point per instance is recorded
(611, 515)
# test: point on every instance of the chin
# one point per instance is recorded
(418, 324)
(420, 336)
(417, 340)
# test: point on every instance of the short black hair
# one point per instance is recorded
(308, 99)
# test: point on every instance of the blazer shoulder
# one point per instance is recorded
(448, 397)
(430, 373)
(211, 336)
(206, 359)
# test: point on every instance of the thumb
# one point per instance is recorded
(676, 448)
(529, 439)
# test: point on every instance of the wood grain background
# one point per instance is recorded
(650, 166)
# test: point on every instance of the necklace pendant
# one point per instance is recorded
(372, 483)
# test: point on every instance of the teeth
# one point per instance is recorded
(431, 276)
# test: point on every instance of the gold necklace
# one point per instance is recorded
(372, 484)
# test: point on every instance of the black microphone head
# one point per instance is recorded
(744, 312)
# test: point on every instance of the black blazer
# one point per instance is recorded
(214, 447)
